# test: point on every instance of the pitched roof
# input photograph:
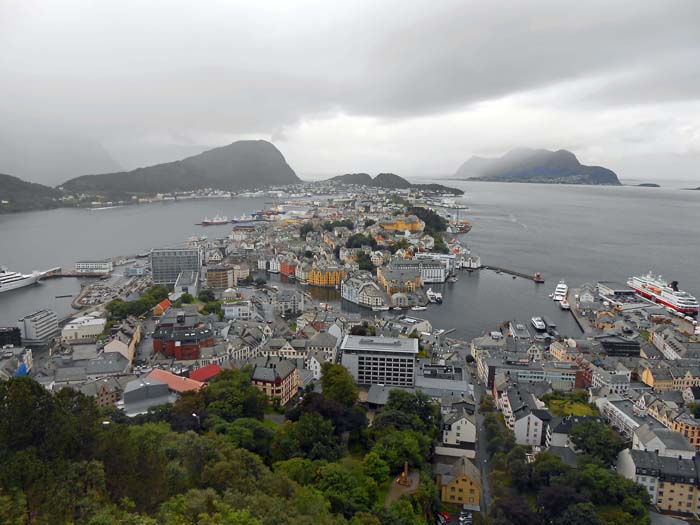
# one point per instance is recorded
(463, 467)
(164, 305)
(206, 372)
(176, 383)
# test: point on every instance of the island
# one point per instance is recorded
(536, 166)
(648, 185)
(391, 181)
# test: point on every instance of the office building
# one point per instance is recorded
(380, 360)
(38, 328)
(168, 263)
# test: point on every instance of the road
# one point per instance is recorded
(482, 455)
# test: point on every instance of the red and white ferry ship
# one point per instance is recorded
(654, 287)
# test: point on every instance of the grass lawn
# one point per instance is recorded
(383, 490)
(565, 407)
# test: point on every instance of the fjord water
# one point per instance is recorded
(576, 233)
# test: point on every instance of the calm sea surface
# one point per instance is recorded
(575, 233)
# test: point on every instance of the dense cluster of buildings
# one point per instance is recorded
(638, 365)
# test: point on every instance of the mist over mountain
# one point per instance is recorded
(538, 166)
(241, 165)
(49, 156)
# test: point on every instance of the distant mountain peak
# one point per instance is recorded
(536, 165)
(243, 164)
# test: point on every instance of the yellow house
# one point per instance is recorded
(461, 485)
(660, 379)
(326, 276)
(411, 223)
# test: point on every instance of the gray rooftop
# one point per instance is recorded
(357, 343)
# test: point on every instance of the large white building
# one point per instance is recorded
(380, 360)
(84, 329)
(168, 263)
(360, 288)
(94, 266)
(38, 328)
(431, 270)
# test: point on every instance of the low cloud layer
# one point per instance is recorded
(344, 86)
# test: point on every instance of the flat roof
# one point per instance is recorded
(379, 344)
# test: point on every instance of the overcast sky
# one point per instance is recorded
(404, 86)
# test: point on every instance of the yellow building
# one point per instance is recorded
(326, 276)
(561, 351)
(409, 223)
(679, 378)
(399, 280)
(687, 425)
(677, 420)
(660, 379)
(461, 485)
(672, 482)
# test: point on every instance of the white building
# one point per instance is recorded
(380, 360)
(168, 263)
(94, 266)
(662, 441)
(242, 310)
(83, 329)
(530, 427)
(458, 436)
(274, 265)
(38, 328)
(360, 288)
(316, 360)
(431, 270)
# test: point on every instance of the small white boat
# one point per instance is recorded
(432, 296)
(560, 291)
(538, 323)
(419, 308)
(564, 305)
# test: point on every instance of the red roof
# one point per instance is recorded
(206, 372)
(175, 383)
(164, 305)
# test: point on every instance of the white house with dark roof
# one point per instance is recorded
(458, 436)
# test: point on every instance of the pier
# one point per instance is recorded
(536, 277)
(57, 272)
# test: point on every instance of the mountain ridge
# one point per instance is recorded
(243, 164)
(18, 195)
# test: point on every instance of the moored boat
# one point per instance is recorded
(655, 288)
(13, 280)
(538, 323)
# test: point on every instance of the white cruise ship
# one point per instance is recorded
(654, 287)
(560, 291)
(13, 280)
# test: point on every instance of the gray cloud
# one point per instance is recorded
(150, 81)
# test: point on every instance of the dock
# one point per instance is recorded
(55, 273)
(536, 277)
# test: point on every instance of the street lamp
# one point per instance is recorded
(199, 421)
